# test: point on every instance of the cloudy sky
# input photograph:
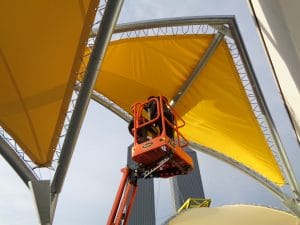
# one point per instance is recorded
(94, 173)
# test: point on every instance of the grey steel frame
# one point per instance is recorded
(108, 22)
(103, 37)
(104, 33)
(289, 172)
(233, 32)
(201, 64)
(179, 21)
(24, 172)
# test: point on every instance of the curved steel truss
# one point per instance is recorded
(105, 30)
(222, 27)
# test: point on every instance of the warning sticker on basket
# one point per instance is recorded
(147, 144)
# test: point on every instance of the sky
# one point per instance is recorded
(94, 173)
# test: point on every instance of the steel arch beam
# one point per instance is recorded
(199, 67)
(233, 32)
(24, 172)
(288, 169)
(177, 21)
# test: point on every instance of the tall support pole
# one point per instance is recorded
(104, 34)
(289, 172)
(41, 195)
(16, 163)
(199, 67)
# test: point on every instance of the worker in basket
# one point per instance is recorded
(153, 130)
(151, 107)
(157, 151)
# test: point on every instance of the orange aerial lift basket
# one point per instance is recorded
(157, 150)
(158, 144)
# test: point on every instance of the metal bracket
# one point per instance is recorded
(41, 196)
(162, 162)
(293, 205)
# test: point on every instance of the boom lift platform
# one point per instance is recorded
(157, 151)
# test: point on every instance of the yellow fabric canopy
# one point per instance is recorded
(41, 43)
(215, 108)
